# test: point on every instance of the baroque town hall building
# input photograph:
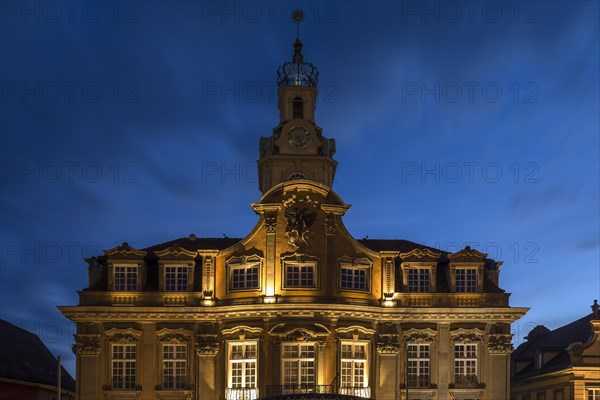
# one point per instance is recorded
(298, 308)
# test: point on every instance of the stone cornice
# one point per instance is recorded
(337, 311)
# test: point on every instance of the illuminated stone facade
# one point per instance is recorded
(298, 305)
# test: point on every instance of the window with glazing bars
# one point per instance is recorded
(176, 278)
(299, 276)
(466, 280)
(125, 279)
(418, 280)
(123, 366)
(418, 365)
(174, 366)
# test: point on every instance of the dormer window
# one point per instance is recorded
(176, 278)
(298, 108)
(125, 278)
(244, 273)
(539, 361)
(418, 280)
(466, 280)
(418, 277)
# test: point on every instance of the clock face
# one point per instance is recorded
(298, 136)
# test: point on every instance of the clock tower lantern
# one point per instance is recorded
(297, 148)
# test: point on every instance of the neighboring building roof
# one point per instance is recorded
(24, 357)
(557, 340)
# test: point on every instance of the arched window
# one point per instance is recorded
(296, 176)
(298, 110)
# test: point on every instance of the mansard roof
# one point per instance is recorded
(24, 357)
(193, 244)
(557, 340)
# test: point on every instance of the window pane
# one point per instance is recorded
(300, 276)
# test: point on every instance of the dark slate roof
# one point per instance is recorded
(24, 357)
(196, 244)
(402, 246)
(556, 340)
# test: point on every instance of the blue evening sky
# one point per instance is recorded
(456, 123)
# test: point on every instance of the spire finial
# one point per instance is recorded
(596, 310)
(297, 16)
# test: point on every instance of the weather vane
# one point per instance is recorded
(297, 16)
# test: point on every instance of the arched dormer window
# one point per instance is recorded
(298, 108)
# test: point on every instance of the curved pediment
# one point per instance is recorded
(467, 255)
(299, 333)
(285, 192)
(125, 252)
(176, 253)
(421, 254)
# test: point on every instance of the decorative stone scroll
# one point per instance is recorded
(420, 335)
(207, 345)
(315, 332)
(388, 344)
(87, 345)
(123, 336)
(271, 223)
(500, 344)
(466, 335)
(300, 215)
(330, 225)
(173, 336)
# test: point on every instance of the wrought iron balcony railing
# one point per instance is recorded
(241, 393)
(356, 391)
(276, 390)
(466, 382)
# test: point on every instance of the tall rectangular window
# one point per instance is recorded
(418, 280)
(298, 364)
(559, 394)
(123, 366)
(125, 279)
(244, 277)
(465, 364)
(354, 278)
(174, 366)
(418, 365)
(242, 360)
(354, 369)
(176, 278)
(541, 396)
(300, 276)
(593, 394)
(466, 280)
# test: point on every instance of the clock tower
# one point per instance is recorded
(297, 148)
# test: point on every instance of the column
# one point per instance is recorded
(90, 376)
(207, 382)
(444, 368)
(149, 370)
(498, 372)
(387, 367)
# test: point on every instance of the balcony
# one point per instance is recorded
(353, 392)
(242, 393)
(466, 382)
(356, 391)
